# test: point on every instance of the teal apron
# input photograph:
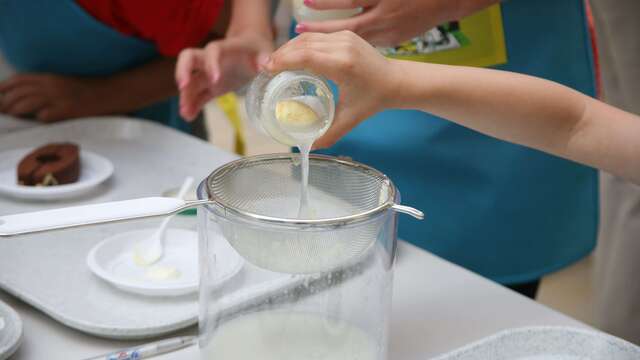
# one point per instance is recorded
(506, 212)
(60, 37)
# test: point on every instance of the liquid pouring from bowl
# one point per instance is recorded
(295, 108)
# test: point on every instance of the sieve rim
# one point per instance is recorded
(337, 221)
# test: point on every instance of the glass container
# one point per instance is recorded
(331, 299)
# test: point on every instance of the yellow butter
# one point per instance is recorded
(295, 113)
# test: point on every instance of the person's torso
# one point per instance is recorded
(60, 37)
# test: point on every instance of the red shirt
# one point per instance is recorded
(171, 24)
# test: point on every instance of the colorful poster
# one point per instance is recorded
(477, 40)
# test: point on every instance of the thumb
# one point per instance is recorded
(262, 60)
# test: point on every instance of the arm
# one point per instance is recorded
(517, 108)
(250, 16)
(137, 88)
(50, 97)
(227, 64)
(526, 110)
(390, 22)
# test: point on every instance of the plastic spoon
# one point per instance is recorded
(149, 251)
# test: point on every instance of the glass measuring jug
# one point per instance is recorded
(332, 294)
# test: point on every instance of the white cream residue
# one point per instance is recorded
(160, 273)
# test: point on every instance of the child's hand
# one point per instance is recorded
(222, 66)
(390, 22)
(47, 97)
(362, 74)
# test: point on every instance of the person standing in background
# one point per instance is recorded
(508, 213)
(616, 290)
(107, 57)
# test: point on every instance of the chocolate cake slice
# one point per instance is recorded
(52, 164)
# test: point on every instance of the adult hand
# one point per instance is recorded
(390, 22)
(362, 74)
(47, 97)
(222, 66)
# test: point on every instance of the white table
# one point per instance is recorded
(437, 307)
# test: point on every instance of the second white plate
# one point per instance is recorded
(113, 261)
(94, 170)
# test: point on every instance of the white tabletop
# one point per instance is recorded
(437, 307)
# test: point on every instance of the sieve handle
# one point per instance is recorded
(409, 211)
(108, 212)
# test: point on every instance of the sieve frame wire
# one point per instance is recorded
(336, 222)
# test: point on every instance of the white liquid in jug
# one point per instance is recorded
(273, 335)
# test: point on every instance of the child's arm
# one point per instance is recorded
(517, 108)
(227, 64)
(50, 97)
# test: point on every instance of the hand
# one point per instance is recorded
(390, 22)
(222, 66)
(362, 74)
(47, 97)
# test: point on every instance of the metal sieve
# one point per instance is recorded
(255, 201)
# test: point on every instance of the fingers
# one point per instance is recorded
(356, 24)
(26, 106)
(49, 114)
(339, 4)
(191, 110)
(189, 61)
(315, 61)
(212, 62)
(262, 60)
(299, 52)
(19, 80)
(334, 59)
(10, 97)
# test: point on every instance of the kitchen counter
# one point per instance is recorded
(437, 307)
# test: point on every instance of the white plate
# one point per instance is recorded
(10, 331)
(94, 170)
(113, 261)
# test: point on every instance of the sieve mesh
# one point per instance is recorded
(343, 195)
(270, 186)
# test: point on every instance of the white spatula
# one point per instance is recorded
(108, 212)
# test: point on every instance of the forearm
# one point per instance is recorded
(529, 111)
(250, 16)
(136, 88)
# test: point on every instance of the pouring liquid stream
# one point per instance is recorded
(304, 121)
(304, 211)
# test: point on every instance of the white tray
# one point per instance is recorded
(10, 331)
(49, 270)
(547, 343)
